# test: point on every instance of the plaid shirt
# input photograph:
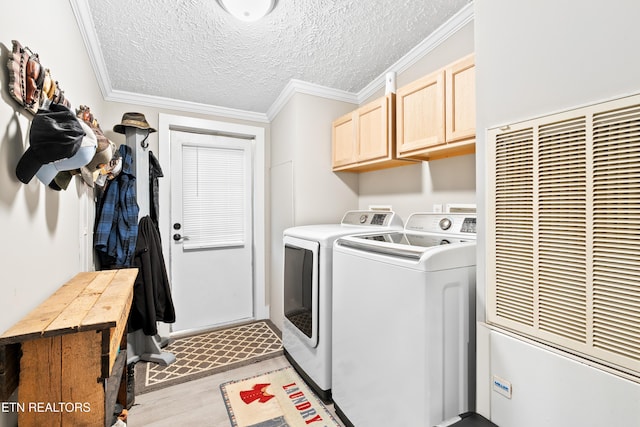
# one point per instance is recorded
(117, 217)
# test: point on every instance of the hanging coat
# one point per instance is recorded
(155, 172)
(117, 217)
(152, 299)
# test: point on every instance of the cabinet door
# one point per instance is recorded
(344, 140)
(373, 130)
(460, 96)
(420, 114)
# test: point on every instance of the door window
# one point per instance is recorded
(214, 193)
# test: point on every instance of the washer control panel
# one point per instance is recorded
(469, 225)
(450, 223)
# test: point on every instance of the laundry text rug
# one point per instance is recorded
(276, 399)
(210, 353)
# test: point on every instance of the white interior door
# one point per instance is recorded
(211, 219)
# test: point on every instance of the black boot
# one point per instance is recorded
(131, 385)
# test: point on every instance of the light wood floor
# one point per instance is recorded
(195, 403)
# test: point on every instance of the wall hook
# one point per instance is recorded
(144, 144)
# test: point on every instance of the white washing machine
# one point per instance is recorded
(306, 333)
(403, 322)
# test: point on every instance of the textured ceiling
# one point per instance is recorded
(191, 50)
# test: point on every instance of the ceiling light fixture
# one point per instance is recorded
(248, 10)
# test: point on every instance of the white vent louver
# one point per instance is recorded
(514, 226)
(564, 230)
(616, 223)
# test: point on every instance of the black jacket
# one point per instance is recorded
(155, 172)
(152, 292)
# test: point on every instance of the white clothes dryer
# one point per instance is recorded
(403, 322)
(306, 333)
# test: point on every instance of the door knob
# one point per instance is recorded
(177, 237)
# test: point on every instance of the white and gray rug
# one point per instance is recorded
(210, 353)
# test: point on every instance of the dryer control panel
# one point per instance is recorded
(371, 218)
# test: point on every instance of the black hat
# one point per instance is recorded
(55, 134)
(135, 120)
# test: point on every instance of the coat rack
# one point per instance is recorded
(141, 346)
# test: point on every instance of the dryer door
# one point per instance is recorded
(301, 287)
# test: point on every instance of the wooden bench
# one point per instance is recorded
(74, 351)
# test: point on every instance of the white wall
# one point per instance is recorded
(320, 195)
(283, 133)
(304, 190)
(43, 231)
(535, 57)
(416, 188)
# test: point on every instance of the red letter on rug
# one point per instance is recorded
(303, 406)
(314, 419)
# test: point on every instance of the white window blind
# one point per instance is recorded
(214, 194)
(563, 231)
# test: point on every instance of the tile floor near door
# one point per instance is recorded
(196, 403)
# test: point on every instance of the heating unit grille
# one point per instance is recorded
(563, 232)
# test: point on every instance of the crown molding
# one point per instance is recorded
(299, 86)
(435, 39)
(85, 23)
(187, 106)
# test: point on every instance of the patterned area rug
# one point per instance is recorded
(210, 353)
(275, 399)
